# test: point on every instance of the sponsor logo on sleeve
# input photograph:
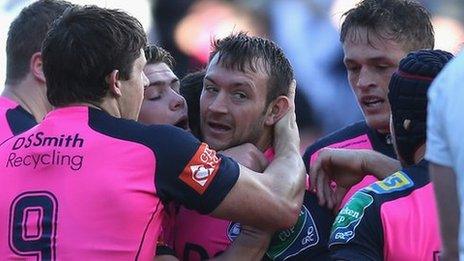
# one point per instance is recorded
(396, 182)
(344, 227)
(201, 169)
(290, 242)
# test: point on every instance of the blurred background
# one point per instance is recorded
(307, 30)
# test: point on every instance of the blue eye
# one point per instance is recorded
(239, 95)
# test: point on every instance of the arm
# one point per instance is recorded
(444, 181)
(271, 200)
(347, 167)
(251, 245)
(249, 156)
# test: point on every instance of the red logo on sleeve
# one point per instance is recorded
(201, 169)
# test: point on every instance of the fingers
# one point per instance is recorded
(339, 194)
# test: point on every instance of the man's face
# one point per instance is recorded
(232, 106)
(370, 64)
(132, 90)
(162, 103)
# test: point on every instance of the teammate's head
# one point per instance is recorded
(375, 35)
(244, 91)
(408, 100)
(95, 55)
(190, 87)
(162, 103)
(25, 38)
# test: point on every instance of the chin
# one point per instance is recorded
(215, 145)
(381, 123)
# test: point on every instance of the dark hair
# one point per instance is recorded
(156, 54)
(403, 21)
(26, 35)
(190, 87)
(83, 47)
(242, 52)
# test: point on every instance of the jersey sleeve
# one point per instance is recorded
(437, 150)
(357, 231)
(189, 172)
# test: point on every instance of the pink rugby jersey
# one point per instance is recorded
(393, 219)
(355, 136)
(199, 237)
(83, 185)
(13, 119)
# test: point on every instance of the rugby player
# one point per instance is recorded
(89, 171)
(396, 218)
(23, 102)
(242, 98)
(375, 36)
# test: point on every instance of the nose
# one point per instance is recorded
(178, 102)
(365, 79)
(218, 103)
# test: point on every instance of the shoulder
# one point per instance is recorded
(152, 136)
(344, 137)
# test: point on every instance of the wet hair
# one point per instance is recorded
(83, 47)
(155, 54)
(26, 35)
(404, 21)
(242, 52)
(190, 87)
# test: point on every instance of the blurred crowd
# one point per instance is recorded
(307, 31)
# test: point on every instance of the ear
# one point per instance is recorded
(36, 67)
(276, 110)
(114, 85)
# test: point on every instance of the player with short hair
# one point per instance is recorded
(89, 171)
(23, 102)
(162, 103)
(395, 218)
(375, 35)
(242, 98)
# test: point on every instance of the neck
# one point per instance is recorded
(106, 105)
(30, 95)
(265, 141)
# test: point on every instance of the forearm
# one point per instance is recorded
(444, 181)
(379, 165)
(249, 245)
(285, 177)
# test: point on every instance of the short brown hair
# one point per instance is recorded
(404, 21)
(155, 54)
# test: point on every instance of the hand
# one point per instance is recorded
(286, 130)
(345, 167)
(249, 156)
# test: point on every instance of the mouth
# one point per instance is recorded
(182, 123)
(218, 127)
(372, 102)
